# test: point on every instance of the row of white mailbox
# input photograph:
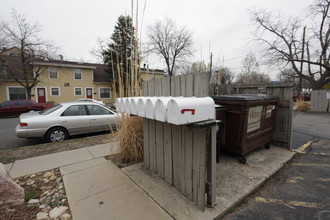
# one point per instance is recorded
(174, 110)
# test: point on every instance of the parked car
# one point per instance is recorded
(17, 107)
(90, 100)
(307, 96)
(295, 96)
(60, 121)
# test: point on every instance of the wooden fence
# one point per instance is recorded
(283, 124)
(320, 101)
(178, 154)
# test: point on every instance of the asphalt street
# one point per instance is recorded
(8, 137)
(301, 189)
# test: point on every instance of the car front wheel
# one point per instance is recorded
(56, 135)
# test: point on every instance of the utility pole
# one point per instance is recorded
(211, 91)
(301, 64)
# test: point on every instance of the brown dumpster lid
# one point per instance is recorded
(244, 97)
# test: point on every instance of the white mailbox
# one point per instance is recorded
(141, 107)
(118, 109)
(150, 107)
(134, 102)
(122, 104)
(127, 105)
(189, 110)
(161, 107)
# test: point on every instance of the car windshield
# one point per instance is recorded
(50, 109)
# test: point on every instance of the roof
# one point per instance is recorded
(153, 71)
(10, 64)
(62, 63)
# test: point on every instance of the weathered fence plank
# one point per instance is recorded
(146, 143)
(145, 131)
(202, 140)
(175, 86)
(168, 153)
(319, 101)
(151, 88)
(158, 87)
(183, 85)
(152, 145)
(177, 154)
(188, 161)
(189, 85)
(166, 86)
(198, 85)
(160, 148)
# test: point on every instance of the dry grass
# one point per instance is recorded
(130, 139)
(302, 106)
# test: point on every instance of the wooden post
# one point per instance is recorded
(211, 169)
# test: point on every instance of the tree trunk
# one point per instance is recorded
(28, 93)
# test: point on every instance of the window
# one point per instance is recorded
(51, 109)
(21, 102)
(105, 93)
(78, 91)
(7, 104)
(29, 102)
(52, 72)
(16, 93)
(98, 110)
(77, 74)
(75, 110)
(54, 91)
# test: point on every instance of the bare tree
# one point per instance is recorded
(21, 34)
(287, 75)
(286, 45)
(170, 42)
(250, 73)
(3, 40)
(222, 79)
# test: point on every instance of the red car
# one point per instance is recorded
(17, 107)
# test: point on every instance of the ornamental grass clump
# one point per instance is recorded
(302, 106)
(130, 139)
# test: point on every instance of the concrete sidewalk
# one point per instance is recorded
(95, 187)
(47, 162)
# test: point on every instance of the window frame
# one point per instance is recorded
(49, 72)
(74, 74)
(51, 92)
(110, 93)
(74, 91)
(8, 94)
(82, 106)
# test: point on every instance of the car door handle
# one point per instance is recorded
(94, 119)
(64, 121)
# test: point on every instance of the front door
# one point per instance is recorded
(89, 93)
(41, 95)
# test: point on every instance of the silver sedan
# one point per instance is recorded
(60, 121)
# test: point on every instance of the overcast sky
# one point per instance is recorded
(222, 25)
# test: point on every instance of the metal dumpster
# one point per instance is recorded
(250, 120)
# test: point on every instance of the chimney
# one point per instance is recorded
(61, 57)
(144, 66)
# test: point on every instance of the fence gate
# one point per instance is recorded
(320, 101)
(178, 154)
